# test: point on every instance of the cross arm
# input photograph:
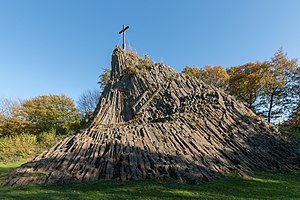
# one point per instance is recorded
(124, 29)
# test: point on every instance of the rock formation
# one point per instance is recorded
(153, 122)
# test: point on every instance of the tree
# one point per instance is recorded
(191, 71)
(9, 124)
(14, 125)
(278, 84)
(7, 106)
(44, 113)
(245, 82)
(295, 116)
(216, 76)
(104, 78)
(87, 102)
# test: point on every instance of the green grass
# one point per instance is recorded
(261, 186)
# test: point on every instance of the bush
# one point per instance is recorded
(132, 55)
(47, 139)
(17, 147)
(140, 64)
(26, 146)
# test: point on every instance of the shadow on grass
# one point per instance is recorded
(261, 186)
(7, 168)
(4, 173)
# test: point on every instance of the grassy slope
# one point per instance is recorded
(261, 186)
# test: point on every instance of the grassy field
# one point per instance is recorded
(261, 186)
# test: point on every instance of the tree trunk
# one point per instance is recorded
(271, 106)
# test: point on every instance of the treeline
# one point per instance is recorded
(31, 126)
(48, 113)
(270, 88)
(40, 114)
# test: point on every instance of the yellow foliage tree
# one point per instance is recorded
(216, 76)
(42, 114)
(246, 81)
(278, 85)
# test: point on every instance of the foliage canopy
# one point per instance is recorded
(270, 88)
(42, 114)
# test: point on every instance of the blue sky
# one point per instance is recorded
(60, 46)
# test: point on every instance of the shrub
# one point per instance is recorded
(25, 146)
(47, 139)
(132, 55)
(17, 147)
(140, 64)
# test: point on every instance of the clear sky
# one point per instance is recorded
(60, 46)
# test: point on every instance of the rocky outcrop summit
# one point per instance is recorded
(153, 122)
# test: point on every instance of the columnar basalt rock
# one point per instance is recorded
(158, 123)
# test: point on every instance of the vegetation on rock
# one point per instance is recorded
(137, 65)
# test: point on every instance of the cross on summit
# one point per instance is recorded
(123, 31)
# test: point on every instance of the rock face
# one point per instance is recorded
(153, 122)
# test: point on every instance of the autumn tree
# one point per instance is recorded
(245, 82)
(278, 86)
(104, 78)
(13, 125)
(216, 76)
(295, 114)
(41, 114)
(191, 71)
(9, 124)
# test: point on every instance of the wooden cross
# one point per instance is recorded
(123, 31)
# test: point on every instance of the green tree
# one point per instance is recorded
(104, 78)
(44, 113)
